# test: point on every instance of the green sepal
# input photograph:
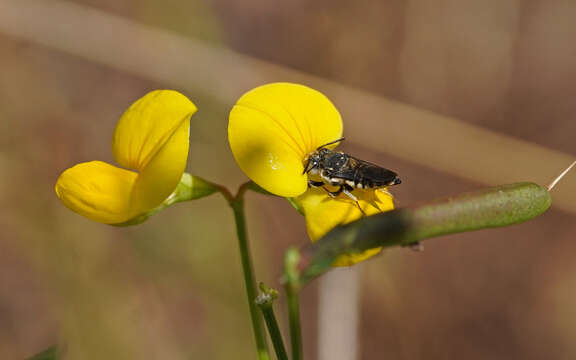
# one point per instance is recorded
(266, 296)
(295, 205)
(190, 187)
(256, 188)
(268, 290)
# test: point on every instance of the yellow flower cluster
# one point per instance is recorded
(272, 130)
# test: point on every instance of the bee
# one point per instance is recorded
(347, 172)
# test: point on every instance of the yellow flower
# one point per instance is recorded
(274, 127)
(323, 213)
(151, 139)
(272, 130)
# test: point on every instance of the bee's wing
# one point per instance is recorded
(346, 172)
(367, 173)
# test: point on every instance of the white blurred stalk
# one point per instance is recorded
(338, 314)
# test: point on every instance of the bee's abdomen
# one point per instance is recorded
(331, 179)
(358, 174)
(372, 177)
(363, 183)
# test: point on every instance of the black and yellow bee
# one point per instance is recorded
(347, 172)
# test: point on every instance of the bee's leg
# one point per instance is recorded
(333, 194)
(312, 183)
(373, 203)
(346, 189)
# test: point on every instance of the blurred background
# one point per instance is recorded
(451, 94)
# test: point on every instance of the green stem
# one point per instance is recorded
(237, 205)
(265, 302)
(275, 334)
(292, 288)
(294, 318)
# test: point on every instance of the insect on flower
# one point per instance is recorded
(336, 168)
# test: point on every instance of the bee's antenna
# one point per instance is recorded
(330, 143)
(307, 168)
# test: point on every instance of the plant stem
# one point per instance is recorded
(237, 205)
(265, 302)
(274, 330)
(294, 317)
(292, 288)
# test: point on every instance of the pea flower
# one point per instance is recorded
(150, 144)
(272, 130)
(322, 213)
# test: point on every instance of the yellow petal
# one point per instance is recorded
(163, 172)
(147, 125)
(98, 191)
(274, 127)
(323, 213)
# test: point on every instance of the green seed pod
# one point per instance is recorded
(493, 207)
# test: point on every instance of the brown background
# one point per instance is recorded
(171, 288)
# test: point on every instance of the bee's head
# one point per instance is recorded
(314, 161)
(317, 157)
